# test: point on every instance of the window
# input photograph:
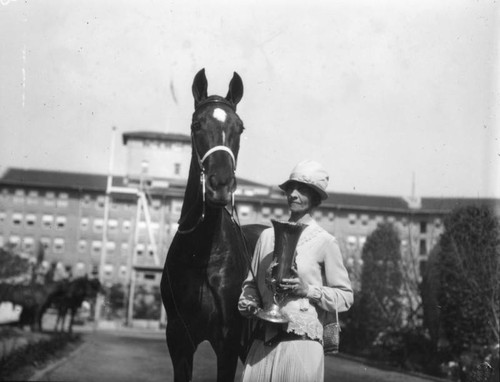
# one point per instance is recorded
(139, 249)
(17, 218)
(30, 220)
(331, 216)
(28, 244)
(82, 246)
(176, 207)
(2, 217)
(14, 241)
(391, 219)
(108, 270)
(96, 247)
(19, 196)
(124, 249)
(244, 211)
(80, 268)
(351, 241)
(266, 211)
(32, 198)
(151, 251)
(86, 201)
(126, 225)
(177, 168)
(149, 276)
(84, 224)
(61, 222)
(423, 247)
(47, 221)
(58, 245)
(437, 223)
(362, 241)
(352, 219)
(45, 242)
(62, 201)
(123, 271)
(100, 202)
(49, 198)
(317, 215)
(110, 247)
(423, 227)
(98, 225)
(156, 204)
(112, 225)
(364, 219)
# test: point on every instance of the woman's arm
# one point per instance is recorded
(337, 294)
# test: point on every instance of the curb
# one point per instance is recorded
(371, 363)
(51, 367)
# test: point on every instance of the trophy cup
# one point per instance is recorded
(286, 237)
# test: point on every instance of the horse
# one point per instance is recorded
(210, 254)
(34, 299)
(71, 300)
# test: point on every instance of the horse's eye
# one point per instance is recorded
(195, 126)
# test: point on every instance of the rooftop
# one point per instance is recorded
(155, 136)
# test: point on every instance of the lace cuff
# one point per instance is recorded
(314, 293)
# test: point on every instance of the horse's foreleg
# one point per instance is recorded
(71, 319)
(227, 351)
(181, 349)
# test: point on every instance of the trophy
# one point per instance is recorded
(286, 237)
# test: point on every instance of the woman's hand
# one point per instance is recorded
(294, 286)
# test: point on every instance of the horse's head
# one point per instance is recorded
(215, 131)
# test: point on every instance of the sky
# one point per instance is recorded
(379, 92)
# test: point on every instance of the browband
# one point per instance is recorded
(215, 100)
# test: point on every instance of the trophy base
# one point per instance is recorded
(273, 314)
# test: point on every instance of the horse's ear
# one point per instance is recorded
(200, 86)
(235, 92)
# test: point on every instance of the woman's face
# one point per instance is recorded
(299, 198)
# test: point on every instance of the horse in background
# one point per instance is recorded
(33, 298)
(210, 254)
(75, 292)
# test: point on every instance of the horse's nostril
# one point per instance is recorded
(213, 181)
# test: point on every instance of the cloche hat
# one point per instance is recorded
(310, 173)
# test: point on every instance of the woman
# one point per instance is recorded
(294, 351)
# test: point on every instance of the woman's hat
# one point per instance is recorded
(310, 173)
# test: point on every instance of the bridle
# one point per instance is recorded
(201, 161)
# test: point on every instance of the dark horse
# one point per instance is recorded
(209, 255)
(71, 299)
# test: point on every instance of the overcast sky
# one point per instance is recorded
(375, 90)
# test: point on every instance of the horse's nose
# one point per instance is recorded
(216, 182)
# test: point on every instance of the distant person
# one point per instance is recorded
(293, 351)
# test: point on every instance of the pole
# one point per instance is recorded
(104, 248)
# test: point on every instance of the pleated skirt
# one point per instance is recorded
(288, 361)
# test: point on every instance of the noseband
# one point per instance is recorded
(202, 160)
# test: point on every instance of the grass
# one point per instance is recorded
(23, 353)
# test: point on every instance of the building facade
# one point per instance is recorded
(84, 224)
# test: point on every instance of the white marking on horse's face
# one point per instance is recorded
(219, 115)
(223, 137)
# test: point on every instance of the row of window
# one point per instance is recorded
(60, 222)
(30, 220)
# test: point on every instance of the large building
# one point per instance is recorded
(89, 226)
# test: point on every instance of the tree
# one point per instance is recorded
(381, 282)
(469, 276)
